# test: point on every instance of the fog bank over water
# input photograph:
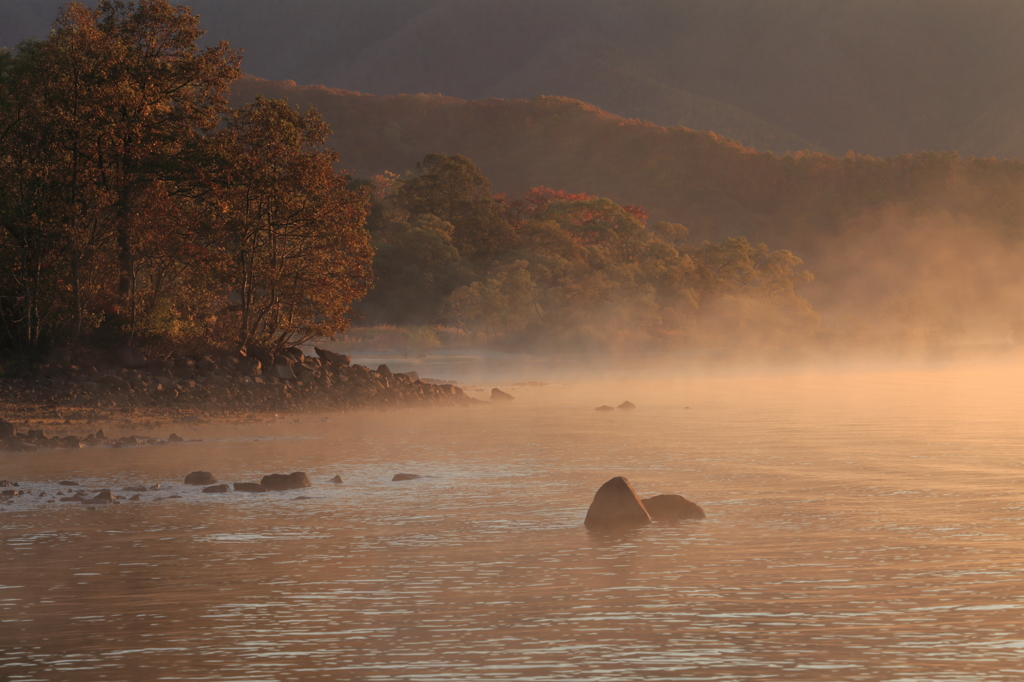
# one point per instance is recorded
(855, 520)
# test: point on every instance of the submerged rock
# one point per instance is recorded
(249, 488)
(498, 394)
(292, 481)
(71, 483)
(200, 478)
(222, 488)
(672, 508)
(615, 505)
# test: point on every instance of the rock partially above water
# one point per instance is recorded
(672, 508)
(222, 488)
(627, 406)
(250, 488)
(200, 478)
(337, 479)
(604, 408)
(498, 394)
(103, 497)
(615, 505)
(296, 479)
(405, 477)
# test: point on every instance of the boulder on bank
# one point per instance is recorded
(616, 505)
(672, 508)
(405, 477)
(282, 372)
(249, 488)
(292, 481)
(200, 478)
(498, 394)
(332, 358)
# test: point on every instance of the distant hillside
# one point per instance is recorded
(715, 186)
(875, 76)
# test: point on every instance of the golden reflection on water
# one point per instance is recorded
(861, 526)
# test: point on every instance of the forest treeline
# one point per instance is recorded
(552, 269)
(138, 207)
(152, 195)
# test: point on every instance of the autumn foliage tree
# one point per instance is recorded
(300, 253)
(121, 168)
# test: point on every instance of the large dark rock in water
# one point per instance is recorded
(672, 508)
(200, 478)
(615, 505)
(498, 394)
(249, 488)
(292, 481)
(222, 488)
(405, 477)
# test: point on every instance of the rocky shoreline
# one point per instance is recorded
(126, 387)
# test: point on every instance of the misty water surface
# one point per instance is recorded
(861, 526)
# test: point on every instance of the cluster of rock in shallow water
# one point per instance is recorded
(615, 506)
(297, 480)
(30, 440)
(259, 381)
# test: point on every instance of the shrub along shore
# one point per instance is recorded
(126, 387)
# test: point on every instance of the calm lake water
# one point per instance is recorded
(861, 526)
